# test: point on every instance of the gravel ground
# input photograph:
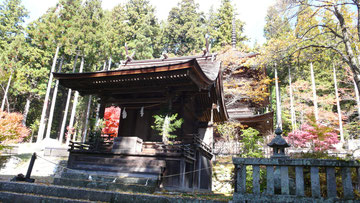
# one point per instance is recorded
(45, 167)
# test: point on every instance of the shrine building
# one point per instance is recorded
(190, 87)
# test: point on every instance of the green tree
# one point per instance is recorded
(184, 31)
(166, 124)
(12, 15)
(143, 30)
(333, 26)
(222, 29)
(114, 27)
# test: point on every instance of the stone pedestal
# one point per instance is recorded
(127, 145)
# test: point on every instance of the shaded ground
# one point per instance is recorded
(44, 170)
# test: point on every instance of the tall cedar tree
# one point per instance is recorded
(12, 16)
(143, 30)
(184, 32)
(222, 28)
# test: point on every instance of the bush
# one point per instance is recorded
(251, 143)
(229, 130)
(166, 124)
(315, 136)
(12, 129)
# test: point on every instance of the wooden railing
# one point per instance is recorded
(103, 144)
(331, 168)
(197, 141)
(185, 150)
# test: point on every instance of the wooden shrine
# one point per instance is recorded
(189, 86)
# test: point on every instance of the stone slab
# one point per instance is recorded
(56, 151)
(27, 192)
(127, 145)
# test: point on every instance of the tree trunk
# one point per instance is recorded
(350, 57)
(8, 104)
(292, 110)
(53, 102)
(109, 63)
(97, 114)
(46, 100)
(278, 101)
(99, 105)
(357, 98)
(26, 110)
(6, 92)
(87, 119)
(62, 131)
(165, 127)
(314, 93)
(338, 107)
(73, 111)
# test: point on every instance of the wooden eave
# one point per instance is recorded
(252, 118)
(216, 97)
(193, 75)
(162, 74)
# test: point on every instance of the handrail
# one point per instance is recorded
(201, 144)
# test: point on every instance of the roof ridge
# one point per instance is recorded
(171, 59)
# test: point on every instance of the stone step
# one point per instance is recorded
(142, 182)
(19, 192)
(119, 187)
(124, 162)
(117, 159)
(114, 178)
(48, 193)
(112, 168)
(13, 197)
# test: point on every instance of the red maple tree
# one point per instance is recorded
(111, 118)
(12, 130)
(317, 137)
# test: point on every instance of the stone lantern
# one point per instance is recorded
(278, 144)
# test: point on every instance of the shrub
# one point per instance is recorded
(229, 130)
(166, 124)
(251, 143)
(12, 129)
(317, 137)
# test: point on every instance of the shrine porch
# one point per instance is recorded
(179, 167)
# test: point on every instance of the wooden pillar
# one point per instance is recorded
(199, 166)
(102, 108)
(182, 173)
(195, 173)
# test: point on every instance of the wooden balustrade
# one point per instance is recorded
(102, 144)
(277, 178)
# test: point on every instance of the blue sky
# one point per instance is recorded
(252, 12)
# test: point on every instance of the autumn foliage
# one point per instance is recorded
(317, 137)
(244, 79)
(11, 128)
(111, 118)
